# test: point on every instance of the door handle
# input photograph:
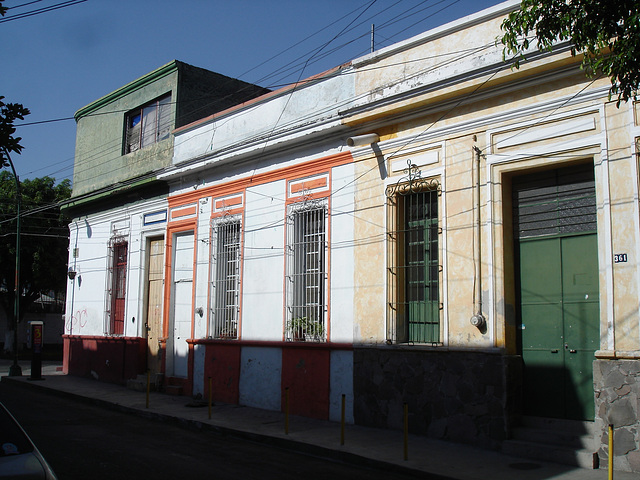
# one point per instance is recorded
(566, 347)
(554, 351)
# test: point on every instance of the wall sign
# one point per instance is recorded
(620, 258)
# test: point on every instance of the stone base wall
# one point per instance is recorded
(465, 396)
(617, 402)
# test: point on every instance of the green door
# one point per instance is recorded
(556, 247)
(559, 324)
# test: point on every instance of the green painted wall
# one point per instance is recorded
(195, 93)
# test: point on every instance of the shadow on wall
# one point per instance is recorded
(108, 359)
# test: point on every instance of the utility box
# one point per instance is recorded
(35, 341)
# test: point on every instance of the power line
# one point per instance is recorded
(40, 11)
(406, 12)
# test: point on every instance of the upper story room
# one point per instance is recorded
(126, 136)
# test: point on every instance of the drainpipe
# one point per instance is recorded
(478, 320)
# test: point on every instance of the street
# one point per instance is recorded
(83, 441)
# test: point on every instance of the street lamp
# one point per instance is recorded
(15, 370)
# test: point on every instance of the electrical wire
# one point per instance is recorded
(405, 12)
(39, 11)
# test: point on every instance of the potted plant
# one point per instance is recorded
(303, 329)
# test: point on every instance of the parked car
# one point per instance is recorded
(19, 457)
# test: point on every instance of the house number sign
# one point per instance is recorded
(620, 258)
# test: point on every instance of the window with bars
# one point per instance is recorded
(306, 273)
(148, 124)
(414, 270)
(117, 287)
(225, 282)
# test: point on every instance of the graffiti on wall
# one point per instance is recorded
(77, 321)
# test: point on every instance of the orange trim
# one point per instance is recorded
(209, 277)
(302, 170)
(326, 194)
(229, 202)
(183, 212)
(172, 230)
(235, 211)
(310, 196)
(308, 185)
(241, 281)
(184, 223)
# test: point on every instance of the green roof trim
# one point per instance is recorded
(115, 189)
(163, 71)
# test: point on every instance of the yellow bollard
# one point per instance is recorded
(342, 422)
(406, 432)
(148, 385)
(286, 411)
(610, 451)
(210, 397)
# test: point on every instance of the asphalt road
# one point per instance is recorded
(83, 441)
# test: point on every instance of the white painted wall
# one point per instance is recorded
(263, 263)
(87, 294)
(341, 383)
(202, 275)
(294, 112)
(342, 254)
(260, 374)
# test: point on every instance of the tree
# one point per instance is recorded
(9, 113)
(44, 240)
(606, 32)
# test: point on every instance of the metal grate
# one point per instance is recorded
(555, 202)
(414, 270)
(306, 273)
(225, 284)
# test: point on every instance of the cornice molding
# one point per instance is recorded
(151, 77)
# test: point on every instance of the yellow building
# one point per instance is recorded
(497, 225)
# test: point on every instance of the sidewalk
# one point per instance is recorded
(373, 447)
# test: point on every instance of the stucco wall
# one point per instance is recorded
(101, 163)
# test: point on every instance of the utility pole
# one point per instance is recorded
(15, 370)
(373, 44)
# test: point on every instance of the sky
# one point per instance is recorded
(61, 55)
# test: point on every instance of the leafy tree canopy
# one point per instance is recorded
(9, 113)
(43, 241)
(606, 32)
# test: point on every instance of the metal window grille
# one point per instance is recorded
(225, 284)
(414, 270)
(117, 286)
(306, 273)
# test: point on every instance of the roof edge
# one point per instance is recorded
(128, 88)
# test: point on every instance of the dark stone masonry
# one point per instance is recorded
(617, 401)
(464, 396)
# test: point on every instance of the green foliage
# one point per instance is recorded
(43, 241)
(306, 328)
(9, 113)
(606, 32)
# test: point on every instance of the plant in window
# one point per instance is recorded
(306, 329)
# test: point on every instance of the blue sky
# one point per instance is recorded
(56, 62)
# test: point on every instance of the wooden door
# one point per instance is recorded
(153, 326)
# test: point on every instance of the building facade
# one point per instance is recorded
(119, 210)
(424, 225)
